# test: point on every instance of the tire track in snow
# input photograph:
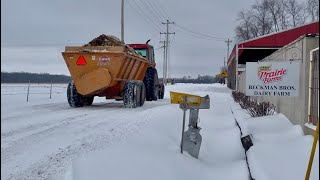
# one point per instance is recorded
(89, 135)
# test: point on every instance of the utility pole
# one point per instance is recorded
(167, 46)
(228, 44)
(164, 60)
(122, 21)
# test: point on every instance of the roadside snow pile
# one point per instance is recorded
(280, 149)
(283, 160)
(154, 152)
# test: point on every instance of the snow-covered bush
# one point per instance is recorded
(254, 108)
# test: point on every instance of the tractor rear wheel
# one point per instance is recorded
(161, 91)
(131, 94)
(143, 93)
(74, 98)
(152, 84)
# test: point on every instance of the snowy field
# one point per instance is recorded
(46, 139)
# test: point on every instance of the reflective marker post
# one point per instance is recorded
(314, 145)
(28, 91)
(50, 89)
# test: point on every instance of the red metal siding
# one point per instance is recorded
(279, 39)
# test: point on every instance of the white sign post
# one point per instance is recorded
(272, 78)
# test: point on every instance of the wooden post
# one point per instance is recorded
(28, 91)
(50, 89)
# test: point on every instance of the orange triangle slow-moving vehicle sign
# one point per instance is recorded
(81, 61)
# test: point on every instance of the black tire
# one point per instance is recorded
(88, 101)
(131, 94)
(152, 84)
(161, 91)
(74, 98)
(143, 93)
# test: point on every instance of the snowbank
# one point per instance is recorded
(154, 152)
(280, 149)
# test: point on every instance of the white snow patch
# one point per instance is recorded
(283, 160)
(46, 139)
(280, 149)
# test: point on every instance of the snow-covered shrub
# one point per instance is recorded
(254, 108)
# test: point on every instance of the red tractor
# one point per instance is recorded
(154, 89)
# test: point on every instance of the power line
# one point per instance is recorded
(200, 34)
(142, 16)
(146, 15)
(194, 35)
(156, 10)
(166, 15)
(150, 11)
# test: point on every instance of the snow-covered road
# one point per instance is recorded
(40, 138)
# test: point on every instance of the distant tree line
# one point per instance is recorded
(268, 16)
(25, 77)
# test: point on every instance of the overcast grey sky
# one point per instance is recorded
(28, 23)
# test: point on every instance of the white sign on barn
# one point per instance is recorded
(272, 78)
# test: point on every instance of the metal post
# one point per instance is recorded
(184, 120)
(28, 91)
(183, 123)
(122, 21)
(50, 89)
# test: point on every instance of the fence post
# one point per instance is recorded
(50, 89)
(28, 91)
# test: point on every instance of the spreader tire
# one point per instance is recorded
(88, 100)
(74, 98)
(131, 94)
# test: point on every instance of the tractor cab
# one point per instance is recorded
(144, 50)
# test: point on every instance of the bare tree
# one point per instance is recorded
(266, 16)
(274, 9)
(283, 14)
(313, 9)
(243, 29)
(295, 10)
(262, 17)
